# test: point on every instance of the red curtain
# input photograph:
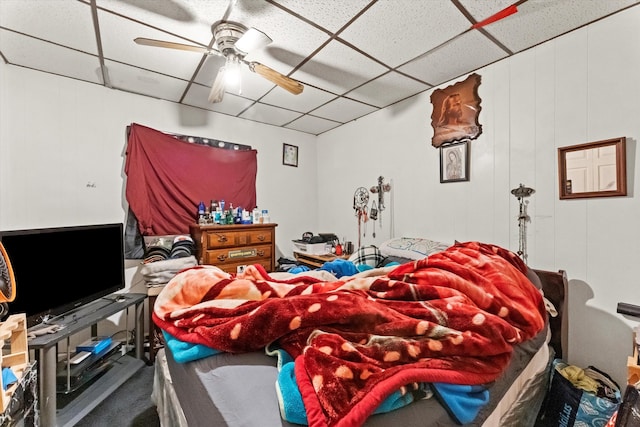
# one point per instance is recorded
(167, 178)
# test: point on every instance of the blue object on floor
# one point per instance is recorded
(8, 378)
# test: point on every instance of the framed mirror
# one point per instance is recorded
(595, 169)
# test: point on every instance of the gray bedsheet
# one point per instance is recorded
(238, 390)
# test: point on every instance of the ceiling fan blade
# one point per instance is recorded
(287, 83)
(251, 40)
(173, 45)
(217, 89)
(496, 17)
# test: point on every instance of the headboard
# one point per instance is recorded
(554, 286)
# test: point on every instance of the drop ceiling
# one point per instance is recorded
(353, 57)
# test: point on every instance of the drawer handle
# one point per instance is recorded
(222, 238)
(222, 257)
(261, 238)
(260, 252)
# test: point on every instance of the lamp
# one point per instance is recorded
(232, 71)
(521, 193)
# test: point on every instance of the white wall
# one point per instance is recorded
(57, 135)
(579, 88)
(62, 146)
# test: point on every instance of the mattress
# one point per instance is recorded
(239, 390)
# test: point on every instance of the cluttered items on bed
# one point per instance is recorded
(350, 347)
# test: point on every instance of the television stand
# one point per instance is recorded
(46, 353)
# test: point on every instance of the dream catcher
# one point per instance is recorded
(7, 283)
(521, 192)
(360, 205)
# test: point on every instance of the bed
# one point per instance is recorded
(461, 336)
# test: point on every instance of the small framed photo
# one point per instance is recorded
(454, 162)
(290, 155)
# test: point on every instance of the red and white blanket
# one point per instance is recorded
(453, 317)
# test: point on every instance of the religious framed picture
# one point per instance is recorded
(454, 162)
(289, 155)
(455, 112)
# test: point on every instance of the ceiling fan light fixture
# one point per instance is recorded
(217, 89)
(232, 77)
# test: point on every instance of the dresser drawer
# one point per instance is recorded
(239, 256)
(230, 246)
(224, 239)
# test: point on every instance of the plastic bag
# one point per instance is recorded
(587, 400)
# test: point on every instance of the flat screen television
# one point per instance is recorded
(58, 270)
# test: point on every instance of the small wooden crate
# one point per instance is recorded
(15, 352)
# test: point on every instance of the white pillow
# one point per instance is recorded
(411, 247)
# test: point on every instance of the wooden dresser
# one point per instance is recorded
(230, 246)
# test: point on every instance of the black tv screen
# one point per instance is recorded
(59, 269)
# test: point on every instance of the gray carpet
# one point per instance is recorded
(129, 406)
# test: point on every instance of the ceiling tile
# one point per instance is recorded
(416, 45)
(61, 21)
(472, 51)
(268, 114)
(339, 69)
(51, 58)
(316, 11)
(537, 20)
(118, 45)
(343, 110)
(145, 82)
(309, 99)
(313, 125)
(233, 105)
(403, 36)
(191, 20)
(387, 89)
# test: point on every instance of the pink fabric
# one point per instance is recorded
(167, 178)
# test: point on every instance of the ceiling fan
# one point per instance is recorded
(233, 41)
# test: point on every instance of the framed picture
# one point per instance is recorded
(289, 155)
(455, 112)
(454, 162)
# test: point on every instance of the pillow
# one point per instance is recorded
(412, 248)
(367, 255)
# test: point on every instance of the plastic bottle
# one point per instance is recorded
(201, 213)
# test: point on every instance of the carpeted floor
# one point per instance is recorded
(129, 406)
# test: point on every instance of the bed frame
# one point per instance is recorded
(555, 286)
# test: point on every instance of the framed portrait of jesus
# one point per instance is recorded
(456, 109)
